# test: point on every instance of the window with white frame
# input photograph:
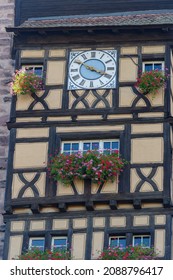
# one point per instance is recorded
(36, 69)
(117, 241)
(103, 146)
(153, 65)
(36, 242)
(142, 240)
(59, 242)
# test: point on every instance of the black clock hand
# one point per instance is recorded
(91, 68)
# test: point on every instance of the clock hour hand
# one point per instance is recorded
(91, 68)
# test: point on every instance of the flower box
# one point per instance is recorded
(93, 165)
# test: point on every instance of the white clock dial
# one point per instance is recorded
(92, 69)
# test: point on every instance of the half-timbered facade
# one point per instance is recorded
(73, 111)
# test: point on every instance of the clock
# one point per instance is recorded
(94, 69)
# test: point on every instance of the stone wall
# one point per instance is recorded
(6, 70)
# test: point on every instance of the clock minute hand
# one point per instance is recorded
(91, 68)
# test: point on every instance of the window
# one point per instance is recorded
(104, 146)
(117, 241)
(142, 240)
(59, 243)
(153, 65)
(36, 242)
(36, 69)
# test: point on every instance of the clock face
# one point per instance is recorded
(92, 69)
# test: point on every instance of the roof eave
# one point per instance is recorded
(96, 27)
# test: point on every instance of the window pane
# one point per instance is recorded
(146, 241)
(86, 146)
(114, 242)
(107, 145)
(95, 146)
(60, 242)
(137, 240)
(38, 71)
(29, 69)
(75, 146)
(67, 146)
(39, 243)
(122, 242)
(115, 145)
(148, 67)
(157, 66)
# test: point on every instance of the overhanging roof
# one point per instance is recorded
(127, 19)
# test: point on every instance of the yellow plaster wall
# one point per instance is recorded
(60, 224)
(118, 221)
(99, 222)
(22, 211)
(18, 184)
(79, 223)
(126, 96)
(91, 128)
(125, 206)
(147, 150)
(32, 53)
(23, 102)
(64, 190)
(76, 208)
(23, 120)
(32, 132)
(54, 99)
(55, 72)
(159, 242)
(128, 71)
(129, 50)
(29, 155)
(160, 219)
(153, 49)
(37, 225)
(141, 220)
(78, 245)
(147, 128)
(151, 115)
(110, 187)
(146, 187)
(17, 225)
(97, 243)
(49, 209)
(57, 53)
(122, 116)
(90, 98)
(15, 246)
(151, 205)
(158, 99)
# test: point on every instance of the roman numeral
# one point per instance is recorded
(91, 84)
(110, 68)
(93, 54)
(82, 82)
(101, 82)
(102, 56)
(107, 76)
(75, 78)
(84, 56)
(108, 61)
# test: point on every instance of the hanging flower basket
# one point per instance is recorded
(96, 166)
(151, 82)
(25, 83)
